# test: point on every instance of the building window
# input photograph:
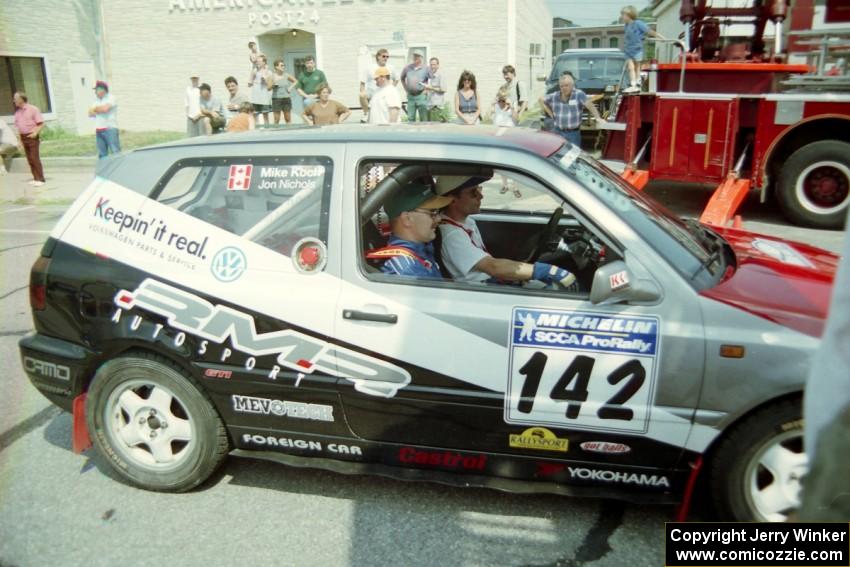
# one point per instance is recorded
(27, 74)
(594, 42)
(565, 44)
(614, 42)
(554, 46)
(582, 43)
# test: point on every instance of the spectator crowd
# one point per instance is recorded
(269, 91)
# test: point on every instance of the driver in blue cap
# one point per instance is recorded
(414, 213)
(463, 250)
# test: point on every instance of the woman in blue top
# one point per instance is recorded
(635, 31)
(466, 100)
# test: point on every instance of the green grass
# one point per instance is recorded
(60, 143)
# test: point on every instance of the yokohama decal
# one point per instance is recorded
(296, 351)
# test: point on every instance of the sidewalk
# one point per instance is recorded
(63, 182)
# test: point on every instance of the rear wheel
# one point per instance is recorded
(153, 424)
(756, 471)
(814, 184)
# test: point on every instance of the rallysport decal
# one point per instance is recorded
(299, 352)
(582, 370)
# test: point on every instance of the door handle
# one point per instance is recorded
(353, 314)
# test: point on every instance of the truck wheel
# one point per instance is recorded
(756, 472)
(153, 424)
(814, 185)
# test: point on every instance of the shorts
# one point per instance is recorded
(284, 104)
(634, 55)
(261, 107)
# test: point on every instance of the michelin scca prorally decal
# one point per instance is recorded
(582, 370)
(299, 352)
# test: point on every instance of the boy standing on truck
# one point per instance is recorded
(634, 32)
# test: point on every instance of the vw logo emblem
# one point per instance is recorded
(228, 264)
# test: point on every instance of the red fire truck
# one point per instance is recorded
(739, 115)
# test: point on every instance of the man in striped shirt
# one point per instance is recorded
(565, 107)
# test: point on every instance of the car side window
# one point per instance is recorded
(511, 191)
(274, 201)
(514, 212)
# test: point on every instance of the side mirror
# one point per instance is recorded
(615, 283)
(541, 78)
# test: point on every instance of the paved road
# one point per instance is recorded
(58, 508)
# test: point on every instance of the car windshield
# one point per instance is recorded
(692, 250)
(587, 67)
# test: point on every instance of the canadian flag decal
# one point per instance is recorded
(239, 178)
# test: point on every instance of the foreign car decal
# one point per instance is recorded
(582, 370)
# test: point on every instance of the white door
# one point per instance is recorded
(82, 83)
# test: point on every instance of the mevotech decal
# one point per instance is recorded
(582, 370)
(298, 410)
(299, 352)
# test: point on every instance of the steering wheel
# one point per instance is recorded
(545, 236)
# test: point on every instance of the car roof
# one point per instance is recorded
(541, 143)
(593, 51)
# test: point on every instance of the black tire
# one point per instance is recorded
(739, 464)
(153, 424)
(812, 195)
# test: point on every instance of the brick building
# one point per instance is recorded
(147, 50)
(591, 37)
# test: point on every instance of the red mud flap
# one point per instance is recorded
(637, 177)
(685, 506)
(725, 201)
(80, 440)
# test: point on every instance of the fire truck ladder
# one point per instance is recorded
(728, 197)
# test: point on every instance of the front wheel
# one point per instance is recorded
(153, 424)
(757, 469)
(814, 185)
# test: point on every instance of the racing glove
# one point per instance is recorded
(549, 274)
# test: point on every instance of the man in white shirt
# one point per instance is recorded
(105, 111)
(516, 91)
(368, 86)
(8, 146)
(464, 253)
(385, 105)
(192, 102)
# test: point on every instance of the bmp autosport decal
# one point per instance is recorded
(297, 351)
(582, 370)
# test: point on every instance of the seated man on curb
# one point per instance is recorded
(212, 111)
(414, 213)
(463, 250)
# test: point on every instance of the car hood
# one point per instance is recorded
(789, 283)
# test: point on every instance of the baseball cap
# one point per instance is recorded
(382, 71)
(101, 85)
(448, 183)
(414, 196)
(418, 53)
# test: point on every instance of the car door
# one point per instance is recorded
(257, 305)
(497, 369)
